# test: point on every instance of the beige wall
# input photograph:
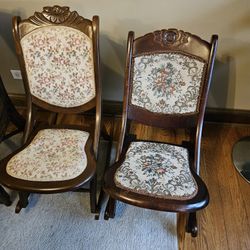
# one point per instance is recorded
(229, 19)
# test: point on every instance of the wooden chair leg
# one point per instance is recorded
(23, 201)
(93, 206)
(102, 195)
(191, 226)
(4, 197)
(110, 209)
(99, 203)
(53, 118)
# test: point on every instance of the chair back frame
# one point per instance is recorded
(164, 41)
(60, 16)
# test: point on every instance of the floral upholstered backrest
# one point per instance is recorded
(59, 65)
(167, 83)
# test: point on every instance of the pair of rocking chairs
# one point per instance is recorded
(167, 78)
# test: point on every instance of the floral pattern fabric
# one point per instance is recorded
(157, 169)
(53, 155)
(167, 83)
(59, 65)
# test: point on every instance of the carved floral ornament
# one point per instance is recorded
(55, 15)
(171, 37)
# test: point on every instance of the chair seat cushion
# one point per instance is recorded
(157, 169)
(53, 155)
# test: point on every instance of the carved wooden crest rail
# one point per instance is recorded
(171, 37)
(56, 15)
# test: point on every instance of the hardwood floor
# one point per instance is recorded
(225, 223)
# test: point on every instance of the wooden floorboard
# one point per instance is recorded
(225, 223)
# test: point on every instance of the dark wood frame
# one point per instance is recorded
(60, 16)
(164, 41)
(8, 115)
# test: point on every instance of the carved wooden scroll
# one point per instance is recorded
(170, 37)
(56, 15)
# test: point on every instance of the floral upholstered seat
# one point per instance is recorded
(58, 52)
(167, 78)
(157, 169)
(53, 155)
